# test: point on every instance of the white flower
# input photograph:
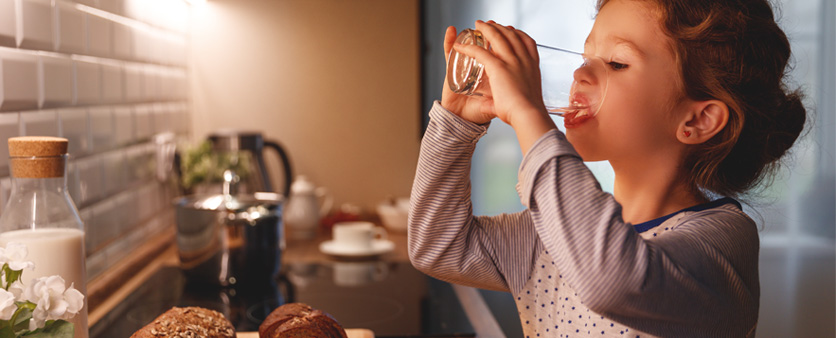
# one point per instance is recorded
(75, 300)
(13, 254)
(17, 290)
(7, 304)
(54, 301)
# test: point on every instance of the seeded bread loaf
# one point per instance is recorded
(191, 322)
(297, 320)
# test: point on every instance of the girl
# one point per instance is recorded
(696, 112)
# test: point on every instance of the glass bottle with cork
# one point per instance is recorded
(41, 215)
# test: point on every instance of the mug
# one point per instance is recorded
(356, 237)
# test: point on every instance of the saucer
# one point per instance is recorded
(379, 247)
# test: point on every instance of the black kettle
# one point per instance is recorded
(253, 144)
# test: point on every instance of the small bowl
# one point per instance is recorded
(394, 215)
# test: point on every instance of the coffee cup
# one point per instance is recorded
(356, 237)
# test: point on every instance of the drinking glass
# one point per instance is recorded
(561, 93)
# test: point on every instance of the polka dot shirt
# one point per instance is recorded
(549, 307)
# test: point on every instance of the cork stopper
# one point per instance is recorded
(27, 146)
(37, 156)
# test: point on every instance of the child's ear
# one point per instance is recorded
(703, 120)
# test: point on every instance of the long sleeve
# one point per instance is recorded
(445, 240)
(700, 280)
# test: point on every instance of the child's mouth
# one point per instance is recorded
(579, 116)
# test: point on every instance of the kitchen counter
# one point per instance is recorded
(384, 294)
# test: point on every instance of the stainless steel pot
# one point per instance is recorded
(230, 239)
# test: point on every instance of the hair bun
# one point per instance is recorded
(789, 122)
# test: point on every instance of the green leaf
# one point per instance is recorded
(22, 323)
(6, 331)
(22, 316)
(54, 329)
(13, 275)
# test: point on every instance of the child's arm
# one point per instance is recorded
(699, 279)
(445, 239)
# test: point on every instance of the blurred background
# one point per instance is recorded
(344, 87)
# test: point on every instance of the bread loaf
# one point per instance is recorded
(192, 322)
(297, 320)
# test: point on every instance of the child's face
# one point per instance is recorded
(636, 116)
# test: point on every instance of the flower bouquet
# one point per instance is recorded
(37, 310)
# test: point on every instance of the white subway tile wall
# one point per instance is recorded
(101, 127)
(88, 81)
(70, 25)
(107, 75)
(75, 128)
(9, 127)
(133, 83)
(122, 41)
(5, 189)
(112, 89)
(8, 22)
(40, 123)
(116, 173)
(34, 25)
(98, 35)
(144, 121)
(123, 125)
(19, 82)
(56, 81)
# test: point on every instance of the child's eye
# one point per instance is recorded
(617, 66)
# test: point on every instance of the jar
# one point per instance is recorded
(41, 215)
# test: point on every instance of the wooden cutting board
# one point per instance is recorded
(352, 333)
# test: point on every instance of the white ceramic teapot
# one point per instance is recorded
(306, 205)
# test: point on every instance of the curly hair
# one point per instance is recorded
(734, 51)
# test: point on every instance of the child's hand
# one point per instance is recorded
(513, 69)
(477, 109)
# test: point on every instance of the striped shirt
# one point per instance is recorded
(572, 264)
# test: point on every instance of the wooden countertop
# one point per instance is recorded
(107, 290)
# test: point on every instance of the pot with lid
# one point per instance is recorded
(227, 239)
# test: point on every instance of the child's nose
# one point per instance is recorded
(591, 72)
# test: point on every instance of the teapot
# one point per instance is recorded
(305, 206)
